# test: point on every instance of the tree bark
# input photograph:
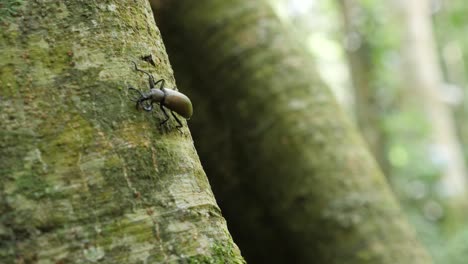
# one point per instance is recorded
(291, 172)
(84, 177)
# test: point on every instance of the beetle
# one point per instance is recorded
(166, 98)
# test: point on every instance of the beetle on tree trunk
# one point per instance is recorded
(173, 100)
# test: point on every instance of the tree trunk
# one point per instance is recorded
(364, 75)
(424, 77)
(84, 177)
(293, 176)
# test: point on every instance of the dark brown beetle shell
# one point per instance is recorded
(178, 102)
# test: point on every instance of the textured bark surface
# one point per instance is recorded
(84, 177)
(290, 171)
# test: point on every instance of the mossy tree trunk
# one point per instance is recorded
(84, 176)
(292, 175)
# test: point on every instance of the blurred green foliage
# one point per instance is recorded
(414, 165)
(451, 27)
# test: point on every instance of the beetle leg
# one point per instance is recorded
(140, 101)
(177, 119)
(147, 108)
(161, 87)
(135, 99)
(159, 81)
(165, 114)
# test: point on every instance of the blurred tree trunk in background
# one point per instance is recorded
(423, 76)
(288, 168)
(84, 177)
(449, 22)
(361, 57)
(407, 111)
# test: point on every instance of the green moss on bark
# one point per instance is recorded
(84, 177)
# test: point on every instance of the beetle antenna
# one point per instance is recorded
(135, 98)
(151, 78)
